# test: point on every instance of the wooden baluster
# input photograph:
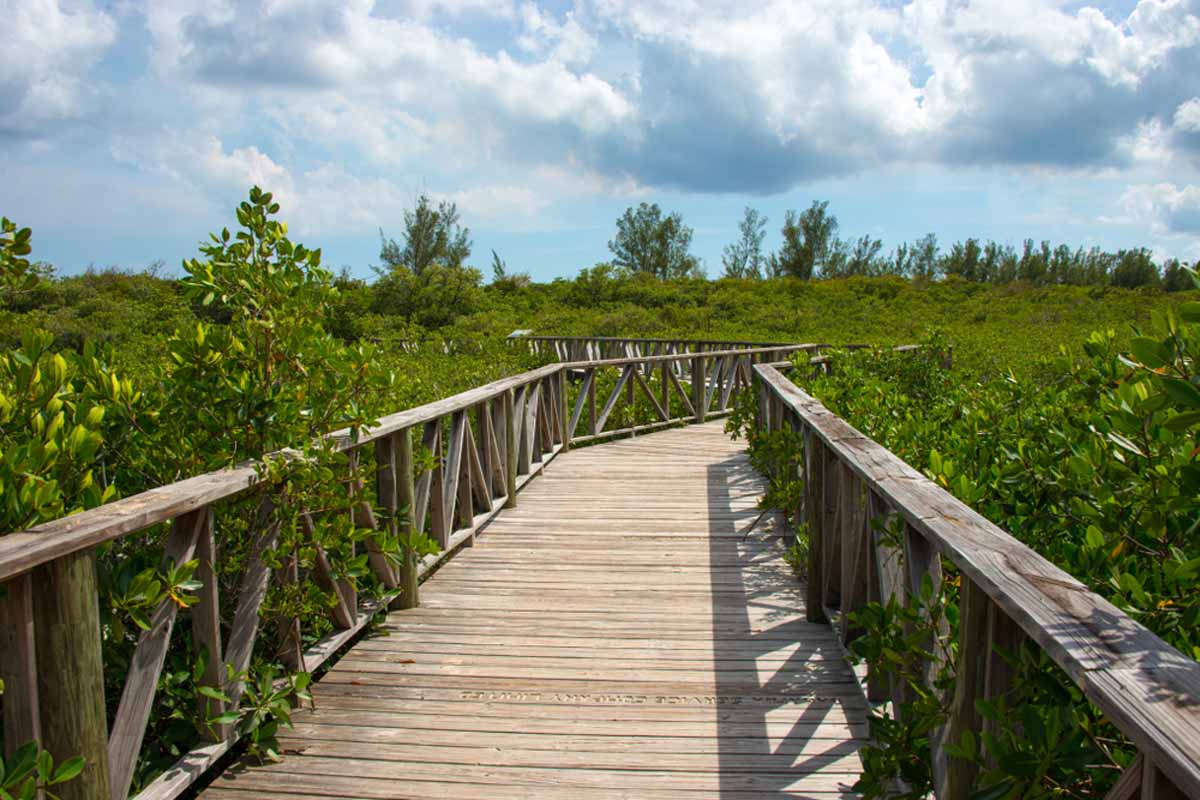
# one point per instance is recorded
(887, 573)
(923, 561)
(70, 670)
(409, 596)
(512, 447)
(855, 552)
(288, 628)
(665, 388)
(698, 388)
(485, 436)
(1156, 785)
(437, 500)
(814, 471)
(206, 629)
(564, 436)
(831, 530)
(1005, 637)
(137, 697)
(18, 664)
(386, 491)
(958, 776)
(593, 428)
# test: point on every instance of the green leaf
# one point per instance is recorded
(68, 769)
(1181, 392)
(1150, 352)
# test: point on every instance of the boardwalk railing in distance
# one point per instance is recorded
(486, 444)
(855, 488)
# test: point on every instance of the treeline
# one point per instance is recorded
(812, 248)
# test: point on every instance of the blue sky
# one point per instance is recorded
(128, 130)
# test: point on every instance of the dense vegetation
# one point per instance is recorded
(266, 348)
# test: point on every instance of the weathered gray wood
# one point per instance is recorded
(70, 672)
(512, 449)
(453, 472)
(699, 405)
(831, 527)
(591, 405)
(409, 596)
(958, 776)
(430, 443)
(683, 394)
(659, 410)
(251, 591)
(343, 613)
(137, 697)
(287, 628)
(387, 490)
(581, 402)
(1156, 785)
(18, 664)
(439, 526)
(206, 629)
(611, 403)
(1129, 785)
(814, 472)
(888, 575)
(854, 555)
(485, 442)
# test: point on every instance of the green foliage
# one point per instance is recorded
(31, 772)
(431, 236)
(744, 258)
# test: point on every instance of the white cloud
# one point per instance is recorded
(1165, 207)
(1187, 116)
(49, 48)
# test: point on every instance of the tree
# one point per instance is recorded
(430, 236)
(1177, 277)
(809, 239)
(648, 242)
(1135, 268)
(925, 257)
(499, 268)
(864, 257)
(744, 258)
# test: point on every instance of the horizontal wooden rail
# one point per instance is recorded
(1147, 688)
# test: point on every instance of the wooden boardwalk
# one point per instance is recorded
(615, 636)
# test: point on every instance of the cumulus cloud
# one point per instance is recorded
(1165, 207)
(49, 48)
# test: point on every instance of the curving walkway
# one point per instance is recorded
(615, 636)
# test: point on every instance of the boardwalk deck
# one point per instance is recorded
(616, 635)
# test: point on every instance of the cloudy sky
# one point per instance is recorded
(128, 130)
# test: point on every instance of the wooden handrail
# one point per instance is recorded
(1147, 688)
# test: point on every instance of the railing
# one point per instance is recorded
(486, 443)
(854, 489)
(595, 348)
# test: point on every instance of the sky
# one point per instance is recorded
(130, 130)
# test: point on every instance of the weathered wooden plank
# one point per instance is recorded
(137, 696)
(18, 664)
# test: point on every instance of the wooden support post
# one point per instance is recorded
(512, 447)
(593, 419)
(1156, 785)
(18, 664)
(1004, 637)
(958, 776)
(70, 673)
(389, 501)
(814, 468)
(564, 436)
(888, 563)
(206, 629)
(665, 389)
(831, 529)
(698, 395)
(437, 500)
(407, 500)
(854, 555)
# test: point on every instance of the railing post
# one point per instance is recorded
(564, 435)
(970, 676)
(698, 387)
(814, 504)
(409, 596)
(18, 664)
(855, 555)
(512, 430)
(71, 670)
(831, 529)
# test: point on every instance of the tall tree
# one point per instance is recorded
(431, 235)
(646, 241)
(809, 240)
(744, 258)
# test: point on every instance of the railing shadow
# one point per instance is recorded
(783, 700)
